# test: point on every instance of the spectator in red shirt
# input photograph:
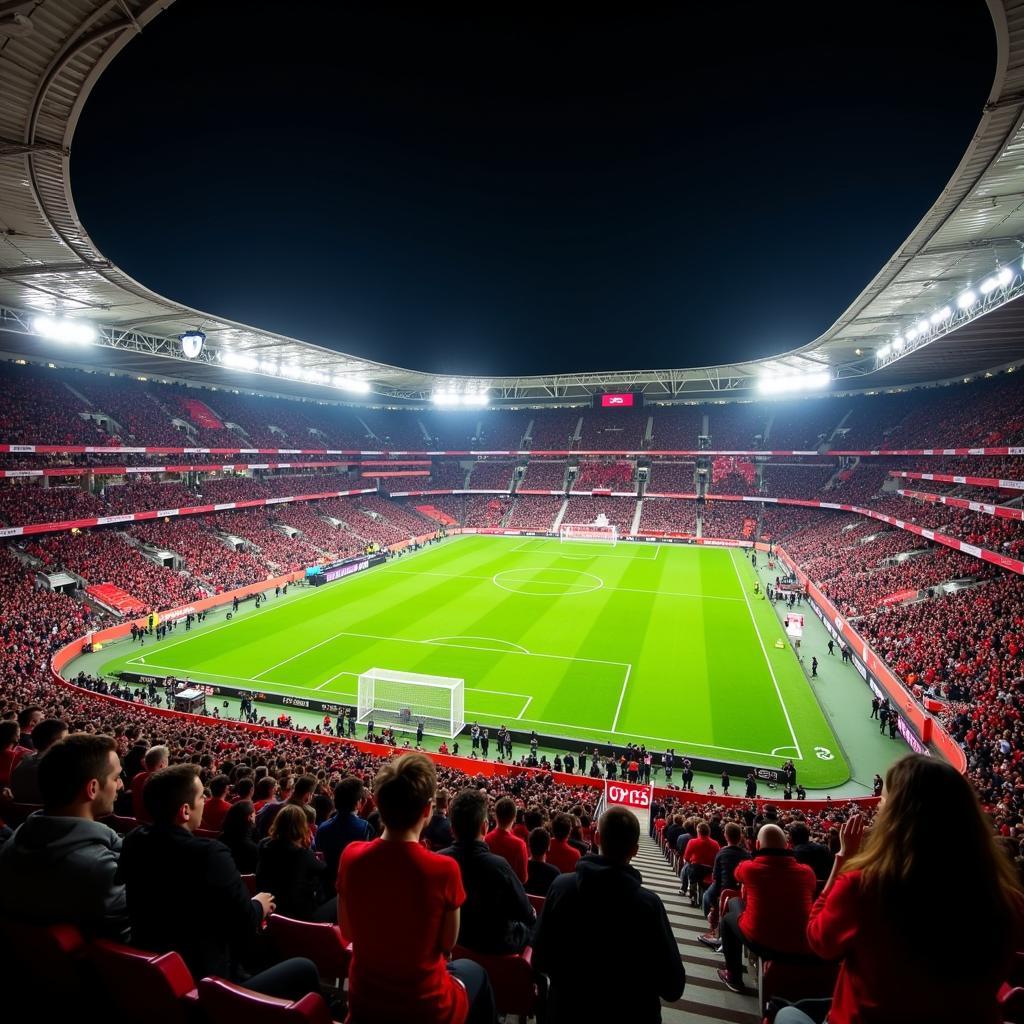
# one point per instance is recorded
(400, 973)
(501, 841)
(156, 758)
(881, 910)
(560, 852)
(10, 752)
(773, 911)
(698, 860)
(216, 806)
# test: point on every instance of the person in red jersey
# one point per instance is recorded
(699, 859)
(772, 914)
(157, 758)
(217, 807)
(400, 974)
(500, 839)
(882, 912)
(561, 853)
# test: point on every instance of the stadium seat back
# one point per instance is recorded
(517, 987)
(537, 902)
(145, 986)
(44, 958)
(250, 883)
(321, 943)
(225, 1003)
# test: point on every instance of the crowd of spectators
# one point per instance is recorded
(146, 495)
(675, 428)
(205, 557)
(613, 429)
(737, 426)
(544, 475)
(492, 474)
(671, 478)
(734, 519)
(663, 515)
(104, 556)
(803, 425)
(316, 530)
(782, 480)
(533, 511)
(281, 552)
(555, 429)
(613, 476)
(444, 475)
(24, 503)
(732, 482)
(485, 510)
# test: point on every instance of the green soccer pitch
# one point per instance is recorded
(658, 644)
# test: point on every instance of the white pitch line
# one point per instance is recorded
(764, 651)
(337, 675)
(622, 695)
(306, 650)
(529, 701)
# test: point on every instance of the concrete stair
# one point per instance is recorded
(706, 1000)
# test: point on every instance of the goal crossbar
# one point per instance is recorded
(588, 532)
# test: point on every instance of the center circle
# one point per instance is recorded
(547, 582)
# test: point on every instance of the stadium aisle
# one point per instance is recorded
(706, 999)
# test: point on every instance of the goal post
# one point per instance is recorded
(405, 700)
(589, 532)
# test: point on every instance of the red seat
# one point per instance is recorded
(145, 986)
(517, 987)
(225, 1003)
(47, 958)
(321, 943)
(1011, 1005)
(250, 883)
(537, 902)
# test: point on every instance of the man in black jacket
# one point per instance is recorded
(723, 878)
(185, 893)
(497, 916)
(605, 897)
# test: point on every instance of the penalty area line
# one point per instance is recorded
(622, 695)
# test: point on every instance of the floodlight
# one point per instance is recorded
(898, 342)
(76, 332)
(941, 315)
(772, 385)
(967, 299)
(912, 333)
(192, 343)
(1004, 276)
(922, 326)
(990, 284)
(883, 352)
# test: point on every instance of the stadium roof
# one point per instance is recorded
(53, 51)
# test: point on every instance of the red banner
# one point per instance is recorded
(985, 507)
(628, 794)
(993, 483)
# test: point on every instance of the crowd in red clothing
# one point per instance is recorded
(103, 556)
(282, 553)
(783, 480)
(671, 478)
(533, 512)
(664, 515)
(618, 511)
(491, 475)
(736, 519)
(206, 557)
(614, 476)
(22, 504)
(544, 475)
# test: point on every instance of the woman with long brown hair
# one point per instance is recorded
(910, 953)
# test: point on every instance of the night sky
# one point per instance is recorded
(527, 191)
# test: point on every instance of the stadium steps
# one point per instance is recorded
(706, 1000)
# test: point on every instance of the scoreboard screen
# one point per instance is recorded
(618, 400)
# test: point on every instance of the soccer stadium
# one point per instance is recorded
(334, 689)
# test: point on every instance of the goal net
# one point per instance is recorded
(589, 532)
(405, 700)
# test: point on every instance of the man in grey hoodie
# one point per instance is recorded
(602, 900)
(59, 865)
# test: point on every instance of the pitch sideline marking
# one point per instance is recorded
(764, 651)
(529, 701)
(625, 683)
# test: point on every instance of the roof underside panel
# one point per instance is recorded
(49, 264)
